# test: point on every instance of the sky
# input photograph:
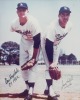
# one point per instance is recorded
(45, 11)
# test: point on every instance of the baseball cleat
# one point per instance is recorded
(52, 97)
(29, 97)
(19, 95)
(46, 92)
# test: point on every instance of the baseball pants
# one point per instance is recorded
(55, 56)
(26, 52)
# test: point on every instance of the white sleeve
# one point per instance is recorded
(12, 29)
(50, 34)
(70, 27)
(13, 26)
(35, 28)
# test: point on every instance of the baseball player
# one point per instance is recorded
(30, 31)
(51, 45)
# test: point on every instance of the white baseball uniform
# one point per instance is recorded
(26, 46)
(54, 33)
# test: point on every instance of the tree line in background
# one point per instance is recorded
(68, 59)
(64, 60)
(9, 54)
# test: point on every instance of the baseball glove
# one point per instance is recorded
(55, 73)
(29, 64)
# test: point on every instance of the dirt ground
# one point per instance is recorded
(70, 79)
(63, 96)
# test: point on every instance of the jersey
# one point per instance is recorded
(56, 33)
(31, 26)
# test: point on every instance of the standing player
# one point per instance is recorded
(30, 31)
(50, 45)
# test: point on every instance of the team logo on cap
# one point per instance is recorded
(21, 4)
(65, 8)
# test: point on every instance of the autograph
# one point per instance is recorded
(67, 83)
(12, 77)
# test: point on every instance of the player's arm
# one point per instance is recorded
(49, 50)
(49, 47)
(13, 28)
(33, 61)
(36, 31)
(36, 45)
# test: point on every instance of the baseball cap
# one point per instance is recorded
(22, 5)
(64, 9)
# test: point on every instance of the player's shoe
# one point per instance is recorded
(29, 97)
(46, 92)
(52, 97)
(23, 94)
(19, 95)
(51, 94)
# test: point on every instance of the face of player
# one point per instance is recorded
(21, 12)
(63, 18)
